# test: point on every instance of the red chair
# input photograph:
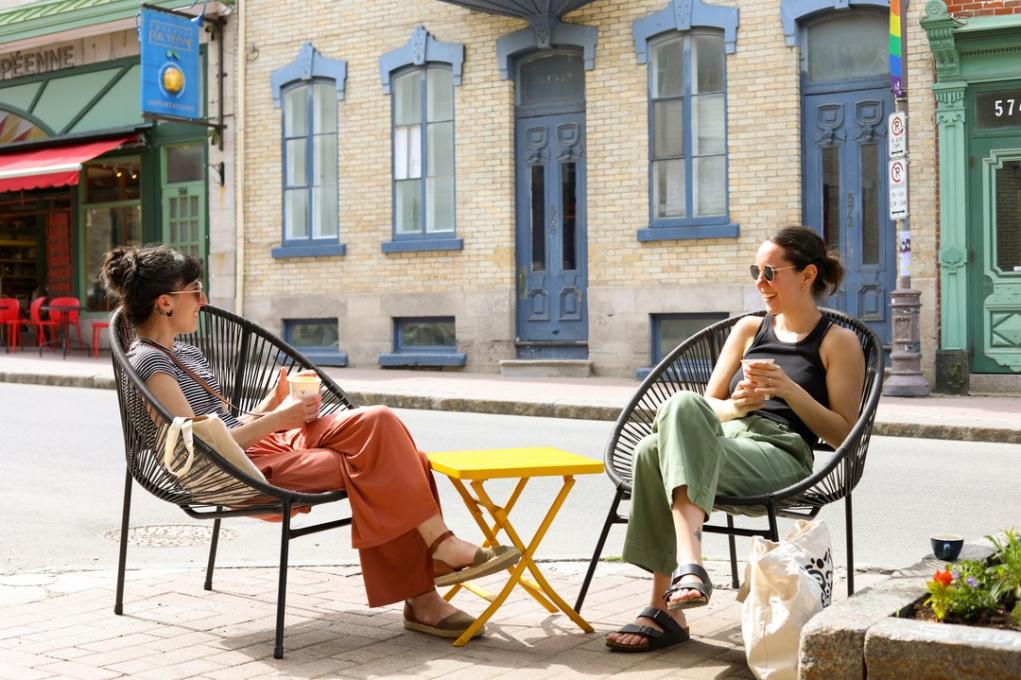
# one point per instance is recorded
(38, 324)
(10, 310)
(96, 327)
(72, 317)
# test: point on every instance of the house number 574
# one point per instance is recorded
(1004, 105)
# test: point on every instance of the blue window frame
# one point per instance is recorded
(308, 90)
(421, 77)
(686, 46)
(670, 330)
(318, 339)
(424, 341)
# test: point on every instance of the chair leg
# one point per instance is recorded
(118, 605)
(212, 553)
(599, 549)
(285, 539)
(850, 544)
(774, 530)
(733, 553)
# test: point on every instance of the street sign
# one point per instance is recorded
(897, 127)
(897, 182)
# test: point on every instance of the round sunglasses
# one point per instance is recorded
(767, 270)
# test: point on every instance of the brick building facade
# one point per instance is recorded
(663, 236)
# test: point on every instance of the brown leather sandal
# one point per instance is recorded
(486, 561)
(451, 627)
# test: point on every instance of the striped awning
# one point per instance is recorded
(523, 9)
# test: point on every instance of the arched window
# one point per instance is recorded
(308, 90)
(420, 77)
(686, 46)
(845, 47)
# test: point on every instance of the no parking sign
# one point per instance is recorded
(897, 181)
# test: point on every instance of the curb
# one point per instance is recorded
(567, 410)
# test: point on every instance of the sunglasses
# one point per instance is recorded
(197, 289)
(767, 270)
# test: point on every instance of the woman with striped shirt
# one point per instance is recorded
(405, 548)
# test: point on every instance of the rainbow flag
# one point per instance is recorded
(896, 58)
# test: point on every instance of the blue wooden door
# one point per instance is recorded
(844, 192)
(552, 310)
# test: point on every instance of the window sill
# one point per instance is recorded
(325, 358)
(422, 245)
(395, 359)
(323, 250)
(688, 233)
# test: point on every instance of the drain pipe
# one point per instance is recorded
(240, 64)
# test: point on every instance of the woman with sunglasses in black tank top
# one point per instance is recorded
(782, 382)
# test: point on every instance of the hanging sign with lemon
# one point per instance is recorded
(170, 65)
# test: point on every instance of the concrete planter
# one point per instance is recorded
(861, 637)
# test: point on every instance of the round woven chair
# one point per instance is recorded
(246, 360)
(688, 368)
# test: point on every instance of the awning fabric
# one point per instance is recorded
(56, 166)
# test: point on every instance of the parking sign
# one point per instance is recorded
(897, 181)
(897, 126)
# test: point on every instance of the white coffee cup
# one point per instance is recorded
(303, 385)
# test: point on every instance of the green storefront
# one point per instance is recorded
(80, 169)
(978, 119)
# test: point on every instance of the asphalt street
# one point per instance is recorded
(62, 478)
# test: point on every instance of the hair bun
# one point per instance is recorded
(119, 268)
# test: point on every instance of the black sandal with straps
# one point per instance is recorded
(672, 633)
(705, 588)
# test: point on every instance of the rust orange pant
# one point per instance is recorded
(369, 453)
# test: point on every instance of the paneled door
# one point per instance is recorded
(184, 198)
(845, 197)
(994, 283)
(551, 240)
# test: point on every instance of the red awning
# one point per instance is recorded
(55, 166)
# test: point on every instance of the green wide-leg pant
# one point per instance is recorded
(690, 447)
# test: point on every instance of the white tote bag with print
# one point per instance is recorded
(785, 584)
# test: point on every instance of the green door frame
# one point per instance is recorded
(967, 53)
(195, 189)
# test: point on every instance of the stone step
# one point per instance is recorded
(545, 368)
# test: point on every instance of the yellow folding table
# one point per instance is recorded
(477, 467)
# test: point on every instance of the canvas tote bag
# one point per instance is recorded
(785, 584)
(206, 482)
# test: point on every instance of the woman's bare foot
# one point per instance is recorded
(455, 552)
(632, 640)
(429, 608)
(683, 594)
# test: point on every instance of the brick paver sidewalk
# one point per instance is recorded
(64, 627)
(174, 629)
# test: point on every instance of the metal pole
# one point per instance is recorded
(905, 378)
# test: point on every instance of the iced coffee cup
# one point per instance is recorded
(303, 385)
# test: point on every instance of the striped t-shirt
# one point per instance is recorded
(148, 361)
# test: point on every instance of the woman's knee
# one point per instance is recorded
(379, 414)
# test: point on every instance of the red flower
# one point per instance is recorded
(943, 577)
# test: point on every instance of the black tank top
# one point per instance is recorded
(802, 364)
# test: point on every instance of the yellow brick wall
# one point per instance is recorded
(628, 280)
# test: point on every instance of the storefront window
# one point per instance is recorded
(113, 180)
(111, 215)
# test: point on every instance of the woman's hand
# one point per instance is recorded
(747, 398)
(770, 379)
(293, 413)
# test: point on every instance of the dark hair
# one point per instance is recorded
(803, 247)
(140, 275)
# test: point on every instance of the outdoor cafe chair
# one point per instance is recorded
(688, 367)
(10, 310)
(246, 359)
(38, 324)
(72, 319)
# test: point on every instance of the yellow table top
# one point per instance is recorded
(537, 461)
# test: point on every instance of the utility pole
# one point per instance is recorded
(905, 378)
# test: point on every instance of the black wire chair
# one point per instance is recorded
(688, 367)
(246, 360)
